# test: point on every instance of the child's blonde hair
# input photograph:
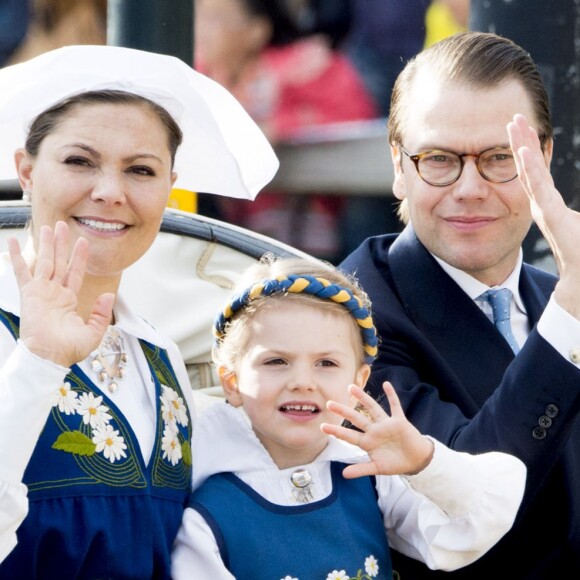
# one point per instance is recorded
(300, 280)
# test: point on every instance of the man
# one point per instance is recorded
(458, 378)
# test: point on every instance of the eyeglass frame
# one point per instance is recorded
(416, 158)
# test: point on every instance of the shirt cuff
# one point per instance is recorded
(457, 481)
(13, 509)
(446, 466)
(561, 330)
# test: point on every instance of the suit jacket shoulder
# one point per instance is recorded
(458, 380)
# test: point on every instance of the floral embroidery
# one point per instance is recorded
(174, 412)
(371, 566)
(109, 442)
(66, 400)
(82, 419)
(173, 408)
(335, 575)
(171, 445)
(75, 442)
(371, 569)
(102, 438)
(92, 412)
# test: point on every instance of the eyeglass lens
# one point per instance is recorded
(442, 167)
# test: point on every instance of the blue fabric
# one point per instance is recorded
(459, 382)
(93, 518)
(384, 35)
(14, 21)
(500, 301)
(262, 541)
(391, 28)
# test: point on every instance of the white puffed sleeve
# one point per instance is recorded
(455, 510)
(27, 388)
(195, 552)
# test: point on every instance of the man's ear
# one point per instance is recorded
(229, 383)
(548, 151)
(399, 190)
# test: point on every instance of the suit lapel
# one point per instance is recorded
(455, 326)
(535, 291)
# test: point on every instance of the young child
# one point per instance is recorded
(283, 491)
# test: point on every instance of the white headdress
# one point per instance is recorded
(223, 150)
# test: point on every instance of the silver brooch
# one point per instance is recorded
(302, 482)
(108, 362)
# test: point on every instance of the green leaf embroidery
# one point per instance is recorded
(186, 453)
(77, 443)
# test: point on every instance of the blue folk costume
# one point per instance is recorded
(247, 519)
(298, 542)
(94, 514)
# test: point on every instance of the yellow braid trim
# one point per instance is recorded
(342, 296)
(256, 291)
(366, 322)
(371, 350)
(298, 285)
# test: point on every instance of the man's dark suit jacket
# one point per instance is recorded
(459, 382)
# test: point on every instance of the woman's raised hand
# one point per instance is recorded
(393, 444)
(50, 325)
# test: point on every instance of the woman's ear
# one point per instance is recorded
(229, 383)
(24, 167)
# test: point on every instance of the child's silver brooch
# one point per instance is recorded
(302, 481)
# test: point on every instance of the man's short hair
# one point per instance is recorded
(476, 59)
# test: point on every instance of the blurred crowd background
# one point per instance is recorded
(293, 64)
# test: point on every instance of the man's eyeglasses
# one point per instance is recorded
(440, 168)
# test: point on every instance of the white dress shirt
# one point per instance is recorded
(558, 328)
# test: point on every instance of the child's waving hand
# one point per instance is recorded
(393, 444)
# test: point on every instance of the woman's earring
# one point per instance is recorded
(26, 196)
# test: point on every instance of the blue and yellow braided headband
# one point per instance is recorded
(318, 287)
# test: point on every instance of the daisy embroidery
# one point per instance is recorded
(170, 445)
(109, 443)
(66, 400)
(336, 575)
(93, 413)
(371, 566)
(172, 407)
(288, 578)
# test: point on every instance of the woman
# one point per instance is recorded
(96, 405)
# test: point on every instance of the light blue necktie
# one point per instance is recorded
(500, 300)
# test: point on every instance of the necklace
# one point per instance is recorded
(108, 362)
(302, 482)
